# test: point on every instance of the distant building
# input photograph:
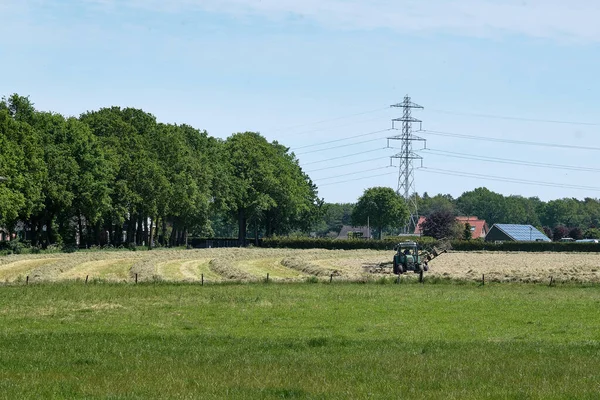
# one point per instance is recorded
(515, 233)
(355, 232)
(479, 228)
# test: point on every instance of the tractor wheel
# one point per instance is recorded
(400, 269)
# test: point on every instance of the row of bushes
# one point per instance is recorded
(458, 245)
(25, 247)
(336, 244)
(537, 247)
(17, 247)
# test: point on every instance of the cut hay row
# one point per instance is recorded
(225, 267)
(19, 270)
(114, 270)
(187, 271)
(259, 268)
(518, 267)
(307, 267)
(291, 265)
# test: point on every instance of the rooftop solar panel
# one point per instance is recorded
(523, 233)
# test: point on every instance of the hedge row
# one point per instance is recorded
(458, 245)
(536, 247)
(336, 244)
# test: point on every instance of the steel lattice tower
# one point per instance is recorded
(406, 176)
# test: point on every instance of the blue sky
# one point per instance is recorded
(283, 67)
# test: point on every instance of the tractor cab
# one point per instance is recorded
(407, 258)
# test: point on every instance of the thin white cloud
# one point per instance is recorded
(552, 19)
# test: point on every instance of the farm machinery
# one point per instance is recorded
(410, 256)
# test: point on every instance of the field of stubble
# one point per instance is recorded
(287, 265)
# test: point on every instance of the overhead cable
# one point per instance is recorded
(507, 161)
(341, 140)
(550, 121)
(510, 141)
(506, 179)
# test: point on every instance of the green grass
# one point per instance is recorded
(341, 341)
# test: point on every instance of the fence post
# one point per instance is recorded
(331, 278)
(202, 280)
(136, 278)
(483, 280)
(86, 279)
(551, 280)
(267, 277)
(27, 280)
(421, 276)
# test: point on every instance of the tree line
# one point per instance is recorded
(118, 176)
(556, 218)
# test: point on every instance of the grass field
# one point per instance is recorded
(283, 265)
(321, 341)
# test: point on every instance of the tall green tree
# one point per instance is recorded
(22, 167)
(381, 207)
(268, 189)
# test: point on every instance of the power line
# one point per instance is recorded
(358, 179)
(510, 141)
(352, 173)
(550, 121)
(341, 140)
(347, 165)
(505, 179)
(341, 146)
(509, 161)
(331, 119)
(346, 156)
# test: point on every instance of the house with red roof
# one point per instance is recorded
(479, 228)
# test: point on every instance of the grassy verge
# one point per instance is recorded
(299, 341)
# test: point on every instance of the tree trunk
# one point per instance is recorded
(145, 234)
(150, 236)
(173, 236)
(242, 228)
(140, 231)
(164, 231)
(48, 232)
(99, 233)
(79, 229)
(256, 233)
(131, 228)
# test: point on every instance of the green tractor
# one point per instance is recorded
(408, 258)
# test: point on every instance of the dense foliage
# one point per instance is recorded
(557, 218)
(118, 176)
(441, 224)
(380, 207)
